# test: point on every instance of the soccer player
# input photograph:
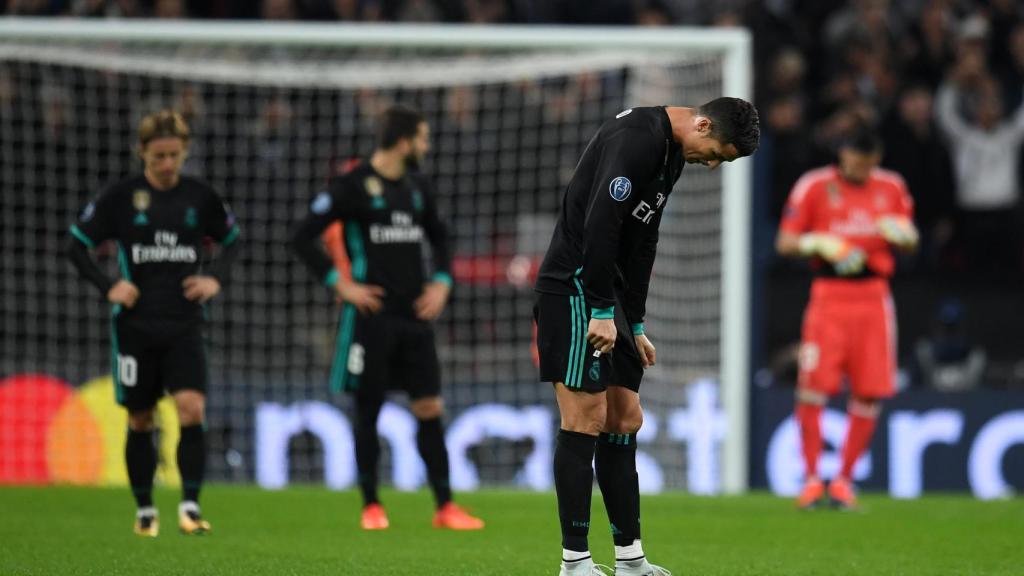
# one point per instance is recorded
(592, 292)
(160, 220)
(847, 218)
(385, 339)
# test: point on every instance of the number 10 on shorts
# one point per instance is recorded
(127, 370)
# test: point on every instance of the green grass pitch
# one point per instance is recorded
(311, 531)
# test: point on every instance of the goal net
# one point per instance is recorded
(275, 110)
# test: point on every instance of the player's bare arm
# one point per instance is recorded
(200, 288)
(124, 293)
(648, 354)
(367, 298)
(432, 301)
(601, 334)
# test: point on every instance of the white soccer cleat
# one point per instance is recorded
(639, 567)
(584, 567)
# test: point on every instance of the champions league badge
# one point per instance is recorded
(620, 188)
(321, 204)
(88, 212)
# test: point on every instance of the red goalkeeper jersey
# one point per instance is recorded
(822, 201)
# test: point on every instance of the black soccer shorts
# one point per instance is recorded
(384, 352)
(152, 356)
(565, 355)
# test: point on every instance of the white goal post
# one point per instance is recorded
(733, 46)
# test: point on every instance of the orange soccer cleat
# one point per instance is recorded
(190, 520)
(374, 518)
(840, 491)
(147, 524)
(453, 517)
(812, 494)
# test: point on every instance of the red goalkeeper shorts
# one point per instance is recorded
(849, 330)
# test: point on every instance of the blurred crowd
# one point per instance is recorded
(940, 79)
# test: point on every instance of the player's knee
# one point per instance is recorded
(191, 408)
(808, 396)
(589, 419)
(865, 407)
(628, 422)
(427, 408)
(140, 420)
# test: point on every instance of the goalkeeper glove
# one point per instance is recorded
(846, 259)
(898, 231)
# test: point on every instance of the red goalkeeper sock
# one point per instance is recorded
(808, 416)
(858, 435)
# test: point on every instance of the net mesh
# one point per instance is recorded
(269, 126)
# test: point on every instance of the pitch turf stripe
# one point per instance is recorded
(572, 342)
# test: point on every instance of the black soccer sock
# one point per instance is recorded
(192, 461)
(574, 483)
(615, 463)
(140, 456)
(430, 441)
(367, 445)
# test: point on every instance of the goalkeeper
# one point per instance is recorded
(846, 218)
(385, 338)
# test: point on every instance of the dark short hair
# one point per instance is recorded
(397, 122)
(733, 121)
(863, 139)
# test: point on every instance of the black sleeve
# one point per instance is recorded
(335, 203)
(437, 234)
(78, 253)
(95, 222)
(219, 224)
(638, 274)
(628, 158)
(93, 227)
(219, 221)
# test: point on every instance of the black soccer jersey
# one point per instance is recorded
(159, 235)
(607, 230)
(387, 224)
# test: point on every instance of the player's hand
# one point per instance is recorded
(124, 293)
(431, 303)
(898, 231)
(846, 258)
(646, 349)
(200, 288)
(367, 298)
(601, 334)
(851, 263)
